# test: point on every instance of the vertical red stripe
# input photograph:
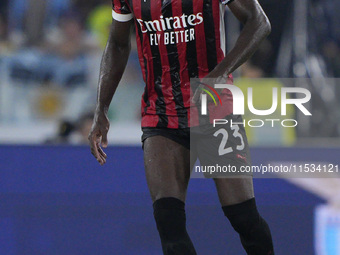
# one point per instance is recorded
(137, 14)
(216, 17)
(201, 47)
(156, 11)
(142, 65)
(140, 55)
(182, 57)
(117, 6)
(145, 50)
(139, 48)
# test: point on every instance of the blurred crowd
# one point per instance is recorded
(49, 40)
(50, 53)
(328, 37)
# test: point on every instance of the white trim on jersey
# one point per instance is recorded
(226, 1)
(122, 17)
(222, 28)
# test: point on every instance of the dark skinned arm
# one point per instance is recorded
(256, 29)
(112, 67)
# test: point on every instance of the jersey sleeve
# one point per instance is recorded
(121, 11)
(226, 1)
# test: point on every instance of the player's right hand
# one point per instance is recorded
(98, 136)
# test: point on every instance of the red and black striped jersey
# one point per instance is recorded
(177, 40)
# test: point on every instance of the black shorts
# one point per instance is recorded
(223, 145)
(181, 136)
(223, 149)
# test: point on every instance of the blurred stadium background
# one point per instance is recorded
(54, 199)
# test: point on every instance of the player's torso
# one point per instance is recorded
(188, 30)
(177, 40)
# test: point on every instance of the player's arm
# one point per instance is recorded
(256, 28)
(112, 67)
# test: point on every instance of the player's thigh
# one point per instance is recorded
(167, 167)
(234, 190)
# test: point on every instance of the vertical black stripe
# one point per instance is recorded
(209, 30)
(146, 91)
(157, 69)
(191, 54)
(174, 64)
